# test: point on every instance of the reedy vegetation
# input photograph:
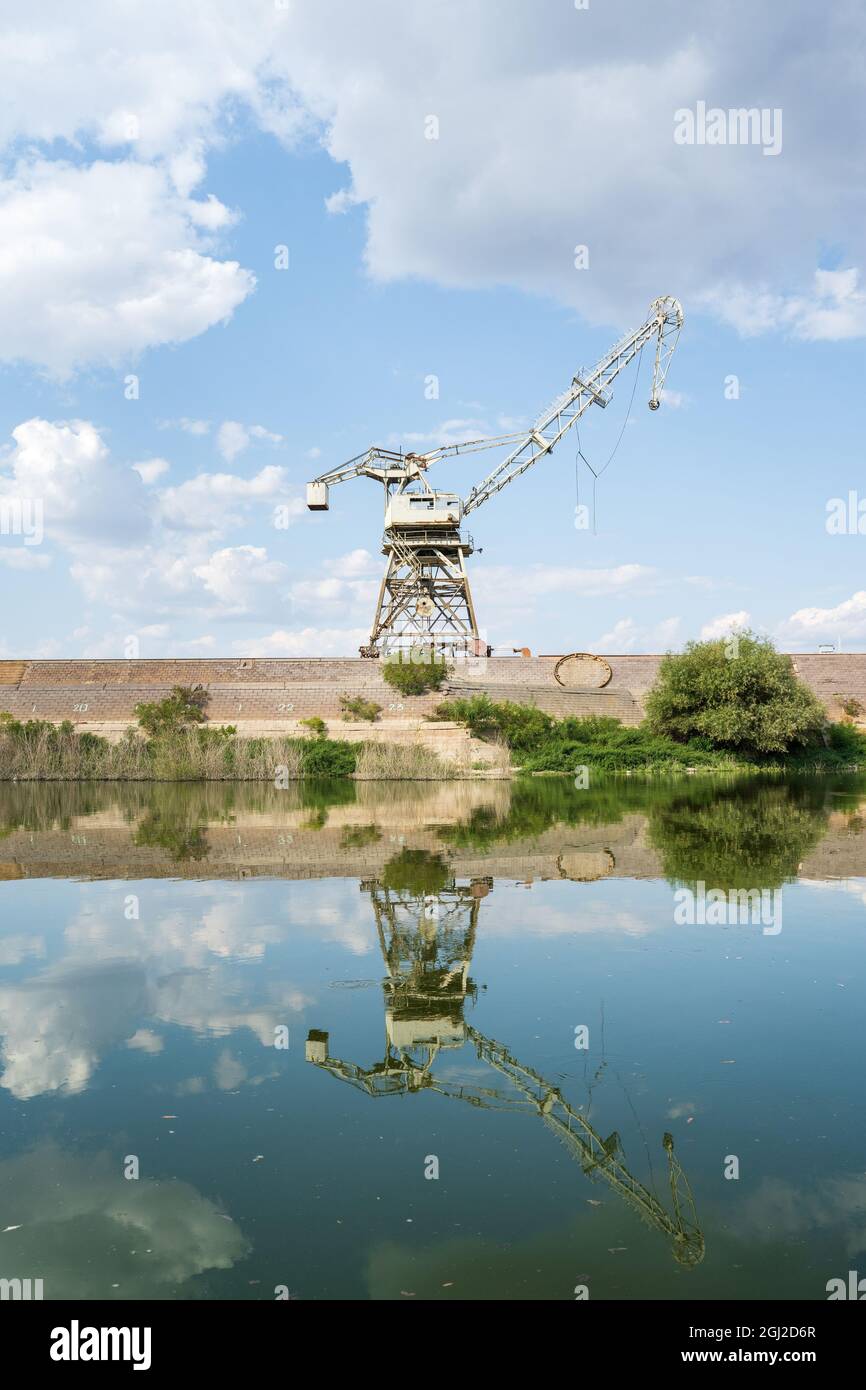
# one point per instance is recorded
(38, 750)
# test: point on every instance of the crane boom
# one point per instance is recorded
(592, 388)
(598, 1157)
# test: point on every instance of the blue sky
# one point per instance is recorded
(153, 161)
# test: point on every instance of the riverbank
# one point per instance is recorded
(540, 744)
(38, 751)
(42, 752)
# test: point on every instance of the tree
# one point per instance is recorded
(738, 693)
(179, 710)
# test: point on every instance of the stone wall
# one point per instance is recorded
(272, 695)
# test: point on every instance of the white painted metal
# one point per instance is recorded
(317, 497)
(423, 510)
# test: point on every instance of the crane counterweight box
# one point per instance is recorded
(317, 497)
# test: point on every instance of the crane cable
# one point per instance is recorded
(601, 471)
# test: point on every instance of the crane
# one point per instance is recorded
(424, 598)
(427, 939)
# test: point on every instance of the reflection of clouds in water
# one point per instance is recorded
(143, 1040)
(84, 1227)
(778, 1210)
(347, 919)
(57, 1025)
(225, 925)
(522, 912)
(855, 886)
(512, 910)
(15, 949)
(187, 970)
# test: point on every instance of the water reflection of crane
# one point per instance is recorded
(427, 939)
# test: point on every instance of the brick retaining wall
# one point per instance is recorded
(280, 692)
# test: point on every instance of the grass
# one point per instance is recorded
(393, 762)
(40, 751)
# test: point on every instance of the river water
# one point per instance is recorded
(433, 1041)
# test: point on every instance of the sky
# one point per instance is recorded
(238, 241)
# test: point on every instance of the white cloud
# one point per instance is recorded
(84, 496)
(725, 624)
(151, 469)
(308, 641)
(70, 296)
(236, 574)
(233, 438)
(214, 501)
(813, 625)
(510, 584)
(140, 550)
(196, 427)
(350, 580)
(628, 636)
(448, 432)
(454, 210)
(18, 558)
(834, 309)
(355, 564)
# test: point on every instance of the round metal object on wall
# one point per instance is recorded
(582, 671)
(424, 607)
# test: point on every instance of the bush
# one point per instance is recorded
(182, 708)
(316, 726)
(416, 671)
(326, 758)
(852, 707)
(750, 702)
(358, 708)
(541, 743)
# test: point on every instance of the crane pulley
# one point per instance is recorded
(425, 598)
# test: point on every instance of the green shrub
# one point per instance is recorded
(327, 758)
(744, 697)
(356, 707)
(415, 671)
(316, 726)
(477, 712)
(182, 708)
